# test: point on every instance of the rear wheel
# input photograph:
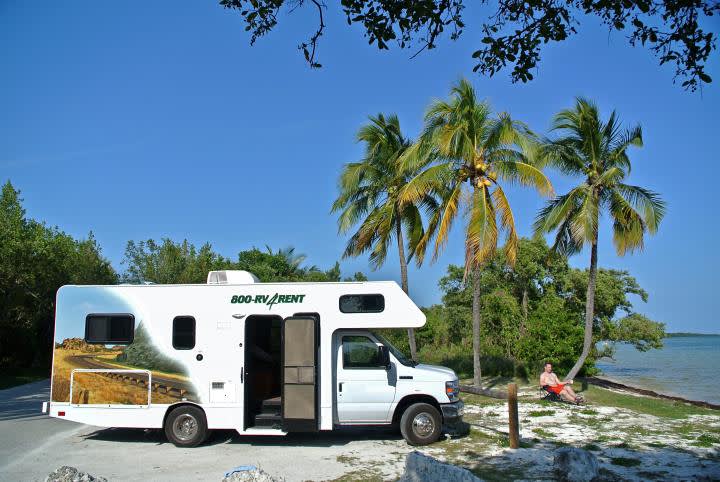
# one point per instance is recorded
(421, 424)
(186, 426)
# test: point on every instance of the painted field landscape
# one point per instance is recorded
(110, 387)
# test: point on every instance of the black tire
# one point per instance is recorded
(421, 424)
(185, 426)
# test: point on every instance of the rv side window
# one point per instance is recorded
(360, 352)
(362, 303)
(183, 333)
(110, 329)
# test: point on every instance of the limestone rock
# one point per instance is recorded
(250, 473)
(575, 465)
(421, 468)
(71, 474)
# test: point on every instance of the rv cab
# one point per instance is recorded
(260, 358)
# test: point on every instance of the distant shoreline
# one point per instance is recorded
(681, 334)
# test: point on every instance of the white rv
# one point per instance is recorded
(260, 358)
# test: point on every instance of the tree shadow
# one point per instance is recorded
(318, 439)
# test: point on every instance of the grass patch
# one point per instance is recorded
(625, 461)
(346, 459)
(359, 476)
(20, 376)
(542, 433)
(592, 447)
(541, 413)
(638, 430)
(493, 473)
(472, 399)
(475, 440)
(588, 411)
(706, 440)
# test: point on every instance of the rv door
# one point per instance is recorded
(299, 396)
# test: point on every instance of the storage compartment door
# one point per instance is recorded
(300, 370)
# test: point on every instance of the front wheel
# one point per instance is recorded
(186, 426)
(421, 424)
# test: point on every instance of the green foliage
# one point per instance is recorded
(467, 156)
(513, 33)
(595, 151)
(637, 329)
(170, 262)
(515, 344)
(35, 260)
(369, 195)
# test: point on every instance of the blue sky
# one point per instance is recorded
(153, 119)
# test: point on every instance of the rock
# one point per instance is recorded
(421, 468)
(250, 473)
(575, 465)
(71, 474)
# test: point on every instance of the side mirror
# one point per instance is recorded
(384, 356)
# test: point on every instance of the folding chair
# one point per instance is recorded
(546, 394)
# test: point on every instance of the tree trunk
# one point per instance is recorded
(525, 302)
(404, 282)
(589, 312)
(477, 372)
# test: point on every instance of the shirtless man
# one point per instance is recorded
(549, 380)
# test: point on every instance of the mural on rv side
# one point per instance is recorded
(170, 382)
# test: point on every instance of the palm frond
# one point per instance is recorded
(584, 223)
(525, 174)
(413, 223)
(507, 221)
(558, 210)
(651, 206)
(628, 225)
(447, 213)
(482, 233)
(432, 179)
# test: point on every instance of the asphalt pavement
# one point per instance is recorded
(32, 445)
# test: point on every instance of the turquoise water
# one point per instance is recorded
(685, 366)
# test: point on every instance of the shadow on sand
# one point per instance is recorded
(319, 439)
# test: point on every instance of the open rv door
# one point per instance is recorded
(300, 337)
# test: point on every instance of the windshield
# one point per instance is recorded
(396, 353)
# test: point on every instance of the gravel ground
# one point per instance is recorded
(32, 445)
(629, 446)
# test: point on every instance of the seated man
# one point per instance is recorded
(550, 382)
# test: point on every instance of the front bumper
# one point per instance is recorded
(452, 419)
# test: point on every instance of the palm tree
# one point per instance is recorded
(475, 153)
(369, 195)
(596, 151)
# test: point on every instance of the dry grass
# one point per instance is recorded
(99, 388)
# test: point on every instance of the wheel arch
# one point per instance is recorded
(182, 404)
(409, 400)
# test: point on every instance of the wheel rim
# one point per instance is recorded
(423, 424)
(185, 427)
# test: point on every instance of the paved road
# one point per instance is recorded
(32, 445)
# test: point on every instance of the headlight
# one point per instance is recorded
(452, 390)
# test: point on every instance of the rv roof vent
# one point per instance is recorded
(231, 277)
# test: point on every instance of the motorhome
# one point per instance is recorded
(259, 358)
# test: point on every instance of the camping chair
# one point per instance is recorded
(546, 394)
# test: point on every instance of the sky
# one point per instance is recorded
(158, 119)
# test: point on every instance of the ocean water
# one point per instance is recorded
(686, 367)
